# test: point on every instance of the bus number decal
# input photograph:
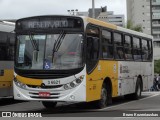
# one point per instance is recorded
(52, 82)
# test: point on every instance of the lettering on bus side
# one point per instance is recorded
(124, 69)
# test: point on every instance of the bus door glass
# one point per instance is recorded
(92, 47)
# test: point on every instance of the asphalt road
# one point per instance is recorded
(149, 103)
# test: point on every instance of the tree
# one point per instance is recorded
(137, 27)
(157, 66)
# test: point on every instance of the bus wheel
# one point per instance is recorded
(137, 94)
(138, 90)
(49, 105)
(102, 103)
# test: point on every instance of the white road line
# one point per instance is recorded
(128, 102)
(123, 117)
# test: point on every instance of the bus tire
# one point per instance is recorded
(102, 103)
(137, 94)
(138, 90)
(49, 105)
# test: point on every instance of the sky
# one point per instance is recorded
(15, 9)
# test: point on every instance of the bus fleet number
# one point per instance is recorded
(54, 82)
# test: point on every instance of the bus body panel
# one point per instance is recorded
(128, 74)
(6, 79)
(95, 80)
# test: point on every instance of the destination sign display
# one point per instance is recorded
(48, 23)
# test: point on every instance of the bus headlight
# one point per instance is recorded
(19, 84)
(74, 83)
(78, 81)
(66, 86)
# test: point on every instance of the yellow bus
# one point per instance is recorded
(79, 59)
(6, 59)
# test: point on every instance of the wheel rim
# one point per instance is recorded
(104, 97)
(139, 91)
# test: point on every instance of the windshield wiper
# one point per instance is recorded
(58, 43)
(35, 47)
(34, 43)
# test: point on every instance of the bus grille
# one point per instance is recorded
(45, 87)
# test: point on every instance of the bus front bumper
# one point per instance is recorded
(77, 94)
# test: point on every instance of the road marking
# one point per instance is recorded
(122, 117)
(129, 102)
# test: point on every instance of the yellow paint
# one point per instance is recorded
(6, 79)
(107, 69)
(101, 23)
(29, 81)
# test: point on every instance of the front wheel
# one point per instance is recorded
(104, 98)
(49, 105)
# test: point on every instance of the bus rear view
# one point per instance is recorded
(49, 59)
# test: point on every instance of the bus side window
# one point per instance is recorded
(136, 49)
(145, 50)
(6, 46)
(128, 48)
(150, 54)
(107, 45)
(118, 46)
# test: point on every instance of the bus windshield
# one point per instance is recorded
(49, 51)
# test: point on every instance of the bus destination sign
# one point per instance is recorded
(49, 23)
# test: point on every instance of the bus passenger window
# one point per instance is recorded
(150, 52)
(146, 50)
(136, 49)
(118, 46)
(107, 51)
(119, 53)
(6, 46)
(137, 54)
(107, 45)
(136, 43)
(127, 48)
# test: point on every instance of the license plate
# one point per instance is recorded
(44, 94)
(51, 82)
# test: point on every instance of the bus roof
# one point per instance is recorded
(6, 27)
(112, 26)
(103, 24)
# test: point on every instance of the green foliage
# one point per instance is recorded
(132, 27)
(157, 66)
(129, 24)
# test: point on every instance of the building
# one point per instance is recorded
(146, 13)
(104, 15)
(138, 11)
(111, 18)
(155, 26)
(82, 14)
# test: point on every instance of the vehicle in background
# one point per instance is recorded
(7, 39)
